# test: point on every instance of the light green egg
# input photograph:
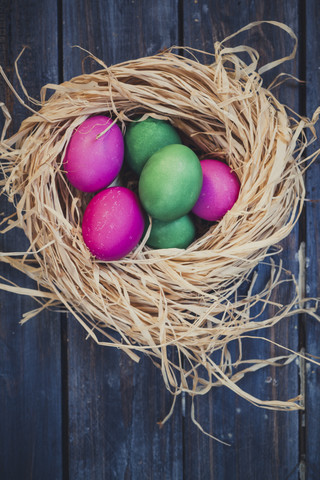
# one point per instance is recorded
(179, 233)
(143, 139)
(170, 182)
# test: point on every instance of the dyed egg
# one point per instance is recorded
(113, 223)
(220, 190)
(176, 234)
(170, 182)
(143, 139)
(93, 163)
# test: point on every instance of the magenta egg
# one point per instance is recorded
(93, 163)
(113, 223)
(219, 192)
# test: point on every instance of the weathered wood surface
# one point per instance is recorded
(276, 451)
(30, 358)
(312, 242)
(72, 410)
(110, 397)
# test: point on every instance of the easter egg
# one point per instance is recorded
(113, 223)
(143, 139)
(219, 192)
(170, 182)
(176, 234)
(93, 163)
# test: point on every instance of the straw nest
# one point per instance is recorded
(177, 306)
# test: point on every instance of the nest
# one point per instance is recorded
(182, 308)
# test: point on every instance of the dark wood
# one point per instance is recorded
(312, 433)
(264, 444)
(115, 404)
(70, 409)
(30, 368)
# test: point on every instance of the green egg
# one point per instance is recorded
(170, 182)
(143, 139)
(176, 234)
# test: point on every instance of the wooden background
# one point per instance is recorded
(71, 410)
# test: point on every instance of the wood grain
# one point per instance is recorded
(30, 368)
(264, 444)
(114, 404)
(70, 409)
(312, 432)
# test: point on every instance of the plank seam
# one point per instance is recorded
(302, 244)
(180, 6)
(63, 317)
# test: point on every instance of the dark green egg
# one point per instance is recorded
(170, 182)
(143, 139)
(176, 234)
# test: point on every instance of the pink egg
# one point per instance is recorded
(220, 190)
(113, 223)
(90, 163)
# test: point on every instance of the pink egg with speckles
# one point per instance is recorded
(93, 163)
(113, 223)
(220, 190)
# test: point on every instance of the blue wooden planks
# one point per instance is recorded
(114, 403)
(312, 241)
(264, 443)
(30, 368)
(70, 409)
